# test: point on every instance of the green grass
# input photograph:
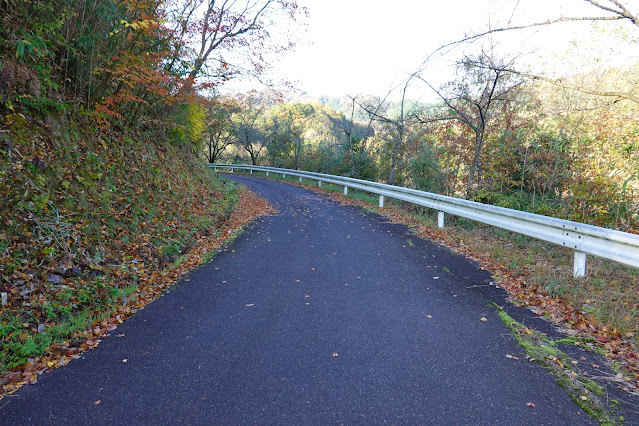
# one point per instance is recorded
(544, 351)
(125, 208)
(17, 348)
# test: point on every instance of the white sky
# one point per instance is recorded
(368, 46)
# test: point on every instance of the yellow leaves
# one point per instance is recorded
(144, 24)
(483, 319)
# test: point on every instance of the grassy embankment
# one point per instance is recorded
(92, 227)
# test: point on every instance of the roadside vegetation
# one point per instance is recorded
(104, 199)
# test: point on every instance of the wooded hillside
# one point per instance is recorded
(104, 200)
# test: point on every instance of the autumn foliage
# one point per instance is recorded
(103, 199)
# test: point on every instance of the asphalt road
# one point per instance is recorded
(321, 314)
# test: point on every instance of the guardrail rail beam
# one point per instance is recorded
(584, 239)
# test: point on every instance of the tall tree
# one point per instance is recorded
(401, 124)
(231, 25)
(219, 131)
(247, 126)
(483, 84)
(603, 11)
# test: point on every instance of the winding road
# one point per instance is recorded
(320, 314)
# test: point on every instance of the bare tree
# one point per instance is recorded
(219, 131)
(612, 10)
(473, 99)
(401, 124)
(231, 25)
(357, 141)
(246, 125)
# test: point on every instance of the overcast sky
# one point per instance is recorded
(368, 46)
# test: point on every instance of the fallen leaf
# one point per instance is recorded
(483, 319)
(530, 404)
(335, 354)
(429, 316)
(248, 305)
(584, 397)
(125, 360)
(97, 402)
(119, 335)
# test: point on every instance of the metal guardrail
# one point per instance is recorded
(584, 239)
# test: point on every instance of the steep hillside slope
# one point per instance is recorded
(91, 226)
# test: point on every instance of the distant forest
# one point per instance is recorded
(528, 145)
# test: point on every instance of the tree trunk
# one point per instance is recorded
(475, 168)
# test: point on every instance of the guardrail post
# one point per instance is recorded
(346, 190)
(580, 265)
(381, 201)
(300, 179)
(440, 219)
(319, 183)
(251, 171)
(215, 169)
(231, 170)
(283, 175)
(266, 174)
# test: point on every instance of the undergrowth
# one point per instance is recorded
(89, 221)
